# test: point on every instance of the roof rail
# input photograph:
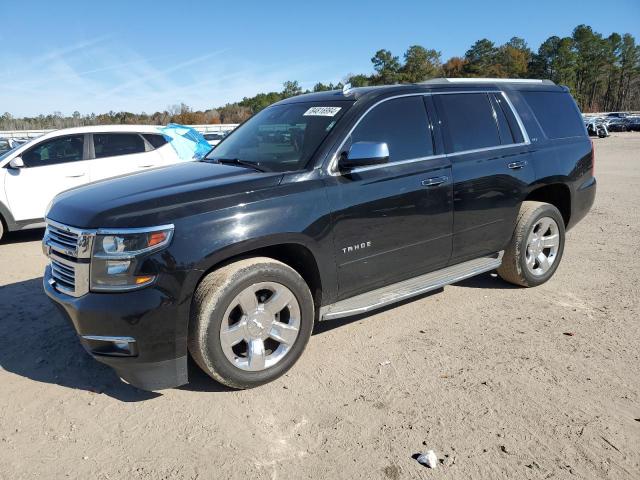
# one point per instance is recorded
(487, 80)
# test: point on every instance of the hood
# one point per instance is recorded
(158, 197)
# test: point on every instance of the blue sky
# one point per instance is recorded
(145, 55)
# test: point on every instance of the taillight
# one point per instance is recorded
(593, 159)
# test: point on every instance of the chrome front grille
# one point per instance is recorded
(65, 239)
(64, 276)
(69, 250)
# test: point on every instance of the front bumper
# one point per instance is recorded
(151, 317)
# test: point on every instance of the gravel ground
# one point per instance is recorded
(501, 382)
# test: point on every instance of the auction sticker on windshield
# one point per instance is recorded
(322, 111)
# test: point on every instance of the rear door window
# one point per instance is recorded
(402, 124)
(116, 144)
(57, 150)
(469, 121)
(556, 112)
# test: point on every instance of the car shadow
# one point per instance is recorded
(36, 342)
(22, 236)
(489, 280)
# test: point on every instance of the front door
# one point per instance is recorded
(51, 167)
(392, 221)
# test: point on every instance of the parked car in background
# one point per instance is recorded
(596, 126)
(7, 144)
(617, 114)
(213, 138)
(617, 124)
(36, 171)
(321, 206)
(634, 124)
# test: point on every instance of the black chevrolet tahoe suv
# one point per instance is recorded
(321, 206)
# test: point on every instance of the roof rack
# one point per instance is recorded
(487, 80)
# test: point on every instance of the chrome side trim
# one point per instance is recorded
(393, 164)
(494, 80)
(397, 292)
(332, 167)
(101, 338)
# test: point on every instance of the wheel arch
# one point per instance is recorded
(556, 194)
(296, 252)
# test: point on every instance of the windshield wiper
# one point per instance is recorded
(240, 163)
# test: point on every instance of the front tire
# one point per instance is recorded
(536, 247)
(250, 322)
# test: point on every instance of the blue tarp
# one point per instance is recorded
(188, 143)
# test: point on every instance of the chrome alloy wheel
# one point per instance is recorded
(260, 326)
(542, 246)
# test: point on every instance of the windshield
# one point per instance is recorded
(283, 137)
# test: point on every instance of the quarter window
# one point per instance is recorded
(116, 144)
(557, 114)
(155, 140)
(57, 150)
(402, 124)
(468, 120)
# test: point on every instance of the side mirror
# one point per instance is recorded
(17, 163)
(362, 154)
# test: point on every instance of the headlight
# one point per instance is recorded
(118, 254)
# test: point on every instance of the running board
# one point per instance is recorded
(397, 292)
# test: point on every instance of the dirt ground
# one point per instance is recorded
(501, 382)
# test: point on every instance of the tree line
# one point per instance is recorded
(602, 73)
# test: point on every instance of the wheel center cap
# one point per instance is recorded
(257, 324)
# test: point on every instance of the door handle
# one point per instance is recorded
(517, 165)
(76, 175)
(435, 181)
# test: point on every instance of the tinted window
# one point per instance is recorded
(506, 136)
(57, 150)
(155, 140)
(468, 121)
(511, 118)
(402, 124)
(556, 112)
(114, 144)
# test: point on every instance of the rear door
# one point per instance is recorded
(491, 169)
(392, 221)
(51, 166)
(120, 153)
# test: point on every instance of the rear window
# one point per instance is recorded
(556, 113)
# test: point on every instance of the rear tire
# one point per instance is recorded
(250, 322)
(536, 247)
(1, 228)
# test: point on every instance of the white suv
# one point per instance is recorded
(33, 173)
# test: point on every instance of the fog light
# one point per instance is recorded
(110, 346)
